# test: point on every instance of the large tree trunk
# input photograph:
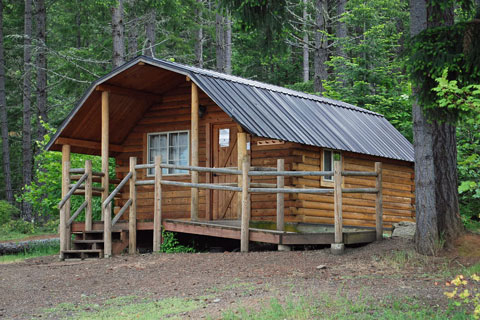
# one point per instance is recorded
(306, 58)
(150, 34)
(27, 110)
(199, 36)
(436, 200)
(133, 38)
(4, 118)
(321, 53)
(118, 35)
(341, 31)
(219, 43)
(228, 44)
(41, 61)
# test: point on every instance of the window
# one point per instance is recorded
(172, 146)
(328, 163)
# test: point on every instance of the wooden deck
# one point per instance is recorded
(307, 234)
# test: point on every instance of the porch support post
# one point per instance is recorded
(242, 152)
(194, 148)
(65, 188)
(338, 247)
(157, 218)
(104, 147)
(88, 195)
(132, 217)
(379, 202)
(244, 233)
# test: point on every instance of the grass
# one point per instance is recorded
(340, 307)
(126, 307)
(33, 252)
(16, 236)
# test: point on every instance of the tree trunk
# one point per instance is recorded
(150, 34)
(118, 35)
(228, 44)
(41, 61)
(436, 195)
(133, 38)
(199, 36)
(220, 46)
(306, 58)
(4, 118)
(341, 27)
(321, 53)
(27, 110)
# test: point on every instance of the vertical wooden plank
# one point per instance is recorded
(105, 145)
(244, 236)
(88, 195)
(64, 230)
(280, 197)
(107, 230)
(337, 179)
(65, 188)
(209, 164)
(241, 153)
(132, 216)
(379, 202)
(157, 217)
(194, 148)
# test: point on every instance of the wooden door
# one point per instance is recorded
(224, 155)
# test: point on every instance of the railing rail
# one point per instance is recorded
(72, 190)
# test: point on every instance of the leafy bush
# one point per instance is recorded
(19, 226)
(171, 245)
(7, 211)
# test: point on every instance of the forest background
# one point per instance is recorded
(354, 51)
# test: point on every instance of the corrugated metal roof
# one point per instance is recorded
(274, 112)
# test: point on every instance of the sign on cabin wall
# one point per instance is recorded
(269, 142)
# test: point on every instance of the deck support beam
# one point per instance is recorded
(338, 247)
(132, 216)
(194, 152)
(245, 236)
(241, 153)
(105, 145)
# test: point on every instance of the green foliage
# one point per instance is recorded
(172, 245)
(38, 250)
(7, 211)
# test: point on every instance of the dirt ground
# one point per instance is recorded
(227, 280)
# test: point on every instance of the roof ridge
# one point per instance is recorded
(268, 86)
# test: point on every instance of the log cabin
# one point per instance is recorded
(200, 118)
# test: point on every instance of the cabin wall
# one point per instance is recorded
(358, 209)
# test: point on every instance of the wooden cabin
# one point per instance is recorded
(196, 117)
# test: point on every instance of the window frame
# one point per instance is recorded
(187, 173)
(332, 159)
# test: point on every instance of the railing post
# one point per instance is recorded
(107, 230)
(65, 188)
(194, 152)
(132, 217)
(64, 234)
(281, 203)
(244, 236)
(338, 247)
(379, 202)
(241, 153)
(157, 217)
(105, 145)
(88, 195)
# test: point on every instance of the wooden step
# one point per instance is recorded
(89, 241)
(82, 254)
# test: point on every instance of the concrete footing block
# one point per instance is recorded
(282, 247)
(337, 248)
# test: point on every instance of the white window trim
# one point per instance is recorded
(332, 154)
(168, 150)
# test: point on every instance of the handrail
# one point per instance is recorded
(290, 190)
(75, 215)
(82, 170)
(121, 212)
(291, 173)
(190, 168)
(74, 188)
(117, 189)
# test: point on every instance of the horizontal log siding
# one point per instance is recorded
(358, 209)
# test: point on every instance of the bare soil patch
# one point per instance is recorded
(223, 281)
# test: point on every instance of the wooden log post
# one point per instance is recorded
(241, 153)
(157, 217)
(64, 211)
(65, 188)
(132, 216)
(379, 202)
(88, 195)
(245, 236)
(107, 230)
(194, 145)
(338, 247)
(105, 145)
(281, 203)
